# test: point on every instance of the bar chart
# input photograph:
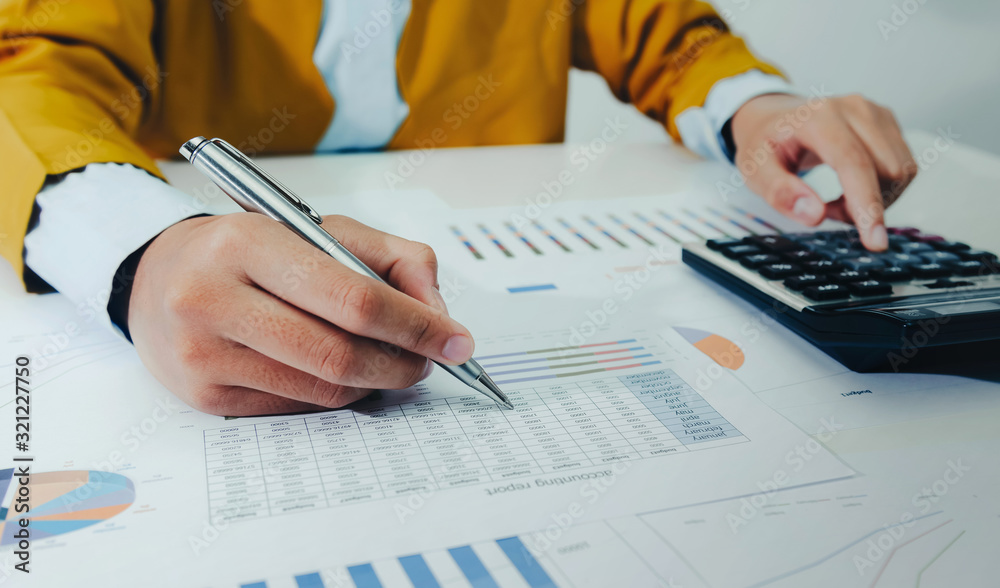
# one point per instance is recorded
(564, 362)
(587, 554)
(605, 231)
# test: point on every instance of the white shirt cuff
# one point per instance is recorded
(90, 222)
(701, 126)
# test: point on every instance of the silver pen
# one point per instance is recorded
(256, 191)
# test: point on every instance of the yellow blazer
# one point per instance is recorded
(86, 81)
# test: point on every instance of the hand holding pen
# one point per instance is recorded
(238, 316)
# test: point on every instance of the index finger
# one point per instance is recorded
(842, 150)
(408, 265)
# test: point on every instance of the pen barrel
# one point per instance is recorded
(254, 191)
(468, 372)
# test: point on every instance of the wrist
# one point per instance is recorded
(119, 302)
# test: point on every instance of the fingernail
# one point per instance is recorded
(427, 371)
(807, 209)
(878, 238)
(458, 349)
(439, 302)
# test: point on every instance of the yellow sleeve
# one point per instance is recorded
(663, 56)
(75, 79)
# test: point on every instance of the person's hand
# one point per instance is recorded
(777, 135)
(237, 315)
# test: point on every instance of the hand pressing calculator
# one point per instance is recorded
(925, 301)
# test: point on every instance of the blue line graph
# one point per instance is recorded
(830, 556)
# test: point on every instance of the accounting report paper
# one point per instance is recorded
(134, 488)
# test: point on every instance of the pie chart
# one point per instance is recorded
(723, 351)
(62, 502)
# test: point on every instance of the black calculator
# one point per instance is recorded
(926, 301)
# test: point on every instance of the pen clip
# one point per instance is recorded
(275, 184)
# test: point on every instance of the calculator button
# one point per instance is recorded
(901, 259)
(803, 281)
(800, 256)
(939, 257)
(720, 244)
(815, 243)
(779, 271)
(848, 276)
(823, 266)
(969, 267)
(929, 239)
(952, 246)
(912, 247)
(775, 243)
(848, 234)
(838, 252)
(864, 262)
(944, 283)
(892, 274)
(978, 255)
(906, 231)
(755, 261)
(737, 251)
(870, 288)
(930, 270)
(827, 292)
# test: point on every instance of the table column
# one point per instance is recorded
(445, 446)
(592, 431)
(290, 470)
(398, 460)
(497, 444)
(680, 408)
(545, 438)
(235, 479)
(630, 417)
(345, 468)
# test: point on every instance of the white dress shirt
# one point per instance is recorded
(93, 219)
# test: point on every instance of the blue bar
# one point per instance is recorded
(537, 288)
(525, 563)
(254, 585)
(312, 580)
(416, 568)
(474, 570)
(364, 576)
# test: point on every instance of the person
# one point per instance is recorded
(94, 90)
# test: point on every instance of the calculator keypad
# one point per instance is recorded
(834, 265)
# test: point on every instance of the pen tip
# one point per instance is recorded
(494, 391)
